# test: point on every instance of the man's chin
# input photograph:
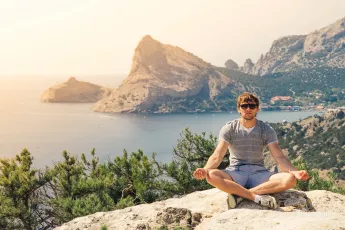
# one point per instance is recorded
(248, 118)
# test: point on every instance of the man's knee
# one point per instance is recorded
(289, 181)
(213, 176)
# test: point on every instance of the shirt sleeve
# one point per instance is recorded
(224, 134)
(271, 136)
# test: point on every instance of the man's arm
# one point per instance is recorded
(217, 156)
(280, 158)
(284, 162)
(213, 161)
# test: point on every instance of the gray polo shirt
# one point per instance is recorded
(247, 147)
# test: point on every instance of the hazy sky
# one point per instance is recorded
(82, 37)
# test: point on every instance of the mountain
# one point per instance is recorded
(207, 209)
(322, 48)
(73, 91)
(163, 73)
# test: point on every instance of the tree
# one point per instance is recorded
(80, 187)
(23, 204)
(137, 177)
(192, 151)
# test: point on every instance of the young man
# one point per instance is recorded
(246, 176)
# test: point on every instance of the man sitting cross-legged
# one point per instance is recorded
(246, 138)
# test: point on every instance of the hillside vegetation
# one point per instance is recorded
(319, 140)
(303, 84)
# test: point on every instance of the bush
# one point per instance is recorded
(315, 182)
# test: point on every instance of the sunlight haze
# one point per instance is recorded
(99, 37)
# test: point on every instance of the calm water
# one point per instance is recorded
(48, 129)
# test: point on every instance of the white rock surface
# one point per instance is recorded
(326, 211)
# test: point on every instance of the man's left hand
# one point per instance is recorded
(301, 175)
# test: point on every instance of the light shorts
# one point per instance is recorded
(248, 176)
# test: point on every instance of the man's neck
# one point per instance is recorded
(248, 123)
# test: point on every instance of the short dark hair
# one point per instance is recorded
(247, 97)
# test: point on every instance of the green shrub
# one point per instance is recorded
(315, 182)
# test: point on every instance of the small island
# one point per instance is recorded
(74, 91)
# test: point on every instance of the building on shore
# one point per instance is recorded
(280, 99)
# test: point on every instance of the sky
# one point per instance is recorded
(84, 37)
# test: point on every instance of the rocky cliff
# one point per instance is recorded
(324, 47)
(248, 66)
(160, 72)
(74, 91)
(208, 210)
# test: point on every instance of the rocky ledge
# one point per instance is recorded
(208, 210)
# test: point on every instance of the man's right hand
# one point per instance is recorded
(200, 173)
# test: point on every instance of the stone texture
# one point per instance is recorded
(208, 210)
(267, 219)
(171, 218)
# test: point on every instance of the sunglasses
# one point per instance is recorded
(245, 106)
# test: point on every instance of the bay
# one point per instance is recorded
(48, 129)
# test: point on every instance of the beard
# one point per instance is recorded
(248, 117)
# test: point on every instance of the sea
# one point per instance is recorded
(47, 129)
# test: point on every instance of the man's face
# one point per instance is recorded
(248, 110)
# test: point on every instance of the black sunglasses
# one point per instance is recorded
(245, 106)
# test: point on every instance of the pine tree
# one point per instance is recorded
(80, 187)
(23, 204)
(137, 176)
(192, 151)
